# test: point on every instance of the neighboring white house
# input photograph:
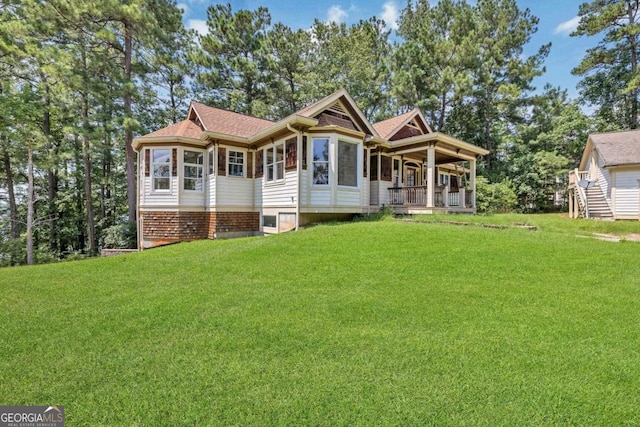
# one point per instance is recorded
(608, 177)
(223, 174)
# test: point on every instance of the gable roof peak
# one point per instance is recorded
(227, 122)
(390, 127)
(347, 104)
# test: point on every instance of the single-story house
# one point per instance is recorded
(222, 174)
(608, 178)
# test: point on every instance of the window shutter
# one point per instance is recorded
(304, 152)
(147, 161)
(249, 165)
(222, 161)
(259, 163)
(291, 149)
(374, 167)
(385, 168)
(364, 164)
(174, 162)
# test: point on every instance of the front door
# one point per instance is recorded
(412, 175)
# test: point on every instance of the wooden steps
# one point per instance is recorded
(598, 206)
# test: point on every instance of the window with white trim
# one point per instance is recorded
(275, 162)
(236, 163)
(321, 161)
(444, 179)
(193, 162)
(347, 164)
(161, 167)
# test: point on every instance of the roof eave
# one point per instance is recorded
(292, 120)
(170, 139)
(622, 165)
(217, 136)
(437, 136)
(334, 128)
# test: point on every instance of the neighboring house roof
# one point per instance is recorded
(617, 148)
(185, 128)
(227, 122)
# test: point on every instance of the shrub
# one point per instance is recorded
(496, 197)
(121, 236)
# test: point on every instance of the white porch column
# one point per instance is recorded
(571, 204)
(461, 195)
(431, 165)
(472, 181)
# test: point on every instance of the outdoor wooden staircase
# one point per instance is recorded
(598, 206)
(579, 195)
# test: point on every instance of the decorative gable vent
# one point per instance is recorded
(338, 108)
(413, 124)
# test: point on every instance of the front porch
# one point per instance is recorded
(415, 200)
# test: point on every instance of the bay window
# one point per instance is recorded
(347, 164)
(193, 162)
(275, 162)
(161, 167)
(236, 163)
(321, 161)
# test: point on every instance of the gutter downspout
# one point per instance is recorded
(138, 213)
(299, 170)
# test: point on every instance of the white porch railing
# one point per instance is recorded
(575, 176)
(454, 198)
(417, 196)
(408, 196)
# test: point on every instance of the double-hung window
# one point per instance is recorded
(347, 164)
(321, 161)
(161, 167)
(193, 170)
(275, 162)
(236, 163)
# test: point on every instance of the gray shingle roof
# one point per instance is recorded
(618, 148)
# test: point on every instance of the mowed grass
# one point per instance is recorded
(367, 323)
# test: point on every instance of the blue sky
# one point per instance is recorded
(557, 19)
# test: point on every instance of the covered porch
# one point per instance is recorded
(430, 174)
(413, 200)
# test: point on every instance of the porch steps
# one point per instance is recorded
(598, 206)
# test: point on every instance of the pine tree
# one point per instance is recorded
(611, 70)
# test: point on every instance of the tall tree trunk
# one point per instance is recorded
(80, 243)
(633, 41)
(13, 207)
(443, 106)
(91, 231)
(86, 159)
(30, 203)
(128, 96)
(52, 179)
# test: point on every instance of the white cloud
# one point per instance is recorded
(199, 25)
(568, 27)
(183, 7)
(390, 14)
(336, 14)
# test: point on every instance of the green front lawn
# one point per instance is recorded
(366, 323)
